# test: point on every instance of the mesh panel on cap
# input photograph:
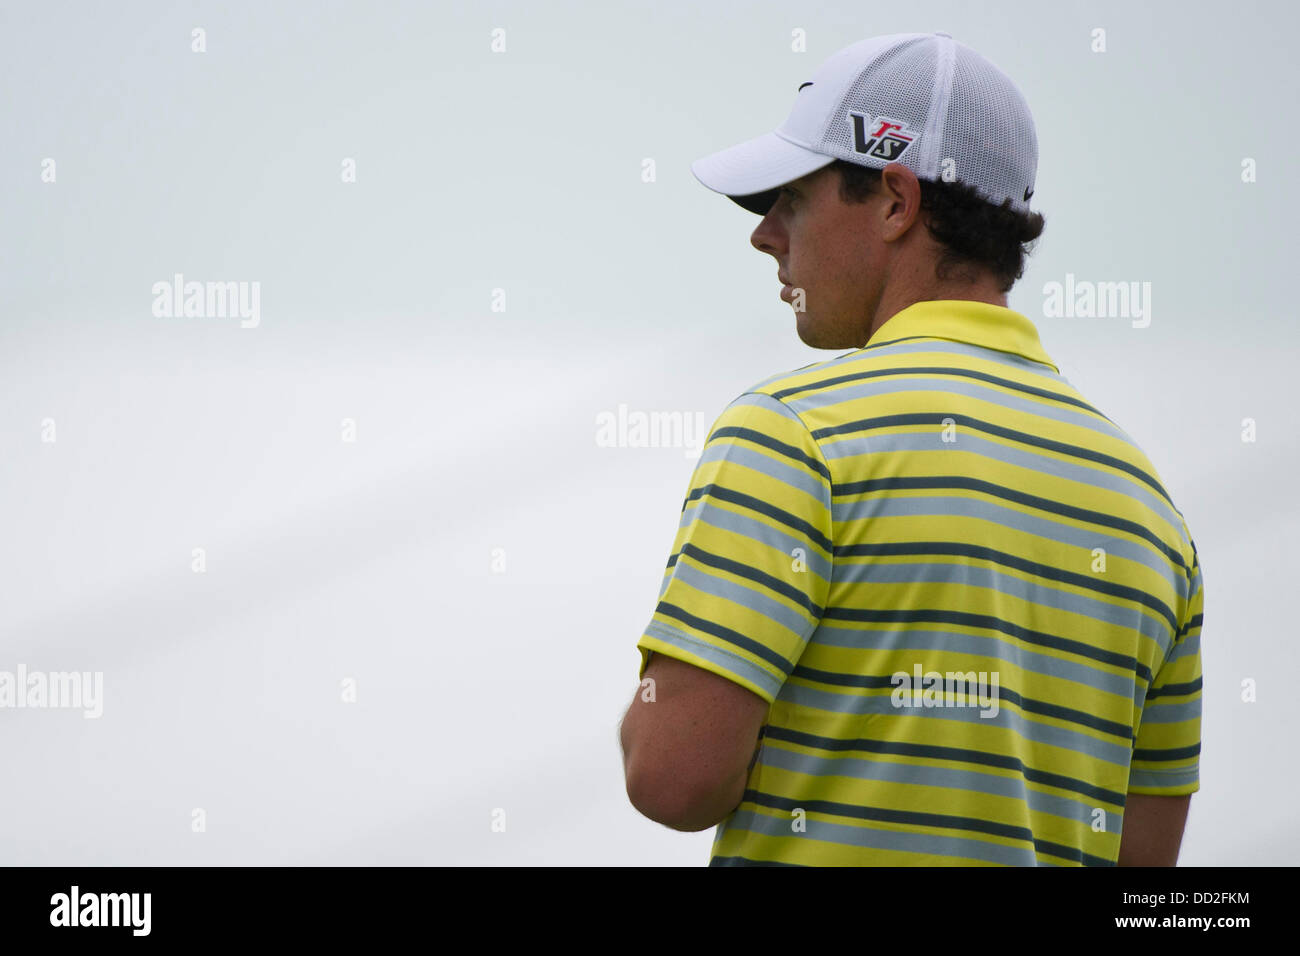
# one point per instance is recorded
(987, 131)
(899, 84)
(990, 132)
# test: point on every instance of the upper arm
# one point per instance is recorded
(1153, 829)
(1166, 757)
(1167, 747)
(687, 738)
(745, 587)
(750, 571)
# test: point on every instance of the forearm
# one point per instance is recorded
(712, 808)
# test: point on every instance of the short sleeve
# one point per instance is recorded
(750, 569)
(1167, 751)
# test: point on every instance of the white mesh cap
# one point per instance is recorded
(920, 99)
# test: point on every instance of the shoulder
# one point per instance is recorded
(790, 385)
(786, 394)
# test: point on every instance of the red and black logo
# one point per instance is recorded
(881, 137)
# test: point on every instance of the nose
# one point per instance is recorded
(769, 237)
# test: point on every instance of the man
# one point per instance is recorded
(926, 604)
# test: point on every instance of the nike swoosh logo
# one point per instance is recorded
(802, 85)
(1028, 192)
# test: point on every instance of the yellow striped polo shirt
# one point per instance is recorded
(963, 590)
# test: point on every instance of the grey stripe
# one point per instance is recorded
(838, 366)
(868, 836)
(1191, 645)
(760, 399)
(983, 392)
(948, 506)
(1008, 359)
(950, 778)
(1130, 616)
(1164, 711)
(756, 529)
(797, 623)
(1008, 717)
(1041, 462)
(760, 387)
(1162, 778)
(913, 641)
(801, 479)
(732, 663)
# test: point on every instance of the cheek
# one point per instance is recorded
(853, 266)
(842, 272)
(810, 261)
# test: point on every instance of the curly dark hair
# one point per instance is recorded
(975, 233)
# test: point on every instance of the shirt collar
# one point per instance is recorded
(962, 320)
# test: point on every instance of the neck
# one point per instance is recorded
(897, 298)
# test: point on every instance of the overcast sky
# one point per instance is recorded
(352, 563)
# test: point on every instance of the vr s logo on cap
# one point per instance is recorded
(883, 138)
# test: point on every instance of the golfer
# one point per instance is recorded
(927, 604)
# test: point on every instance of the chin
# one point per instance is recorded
(817, 336)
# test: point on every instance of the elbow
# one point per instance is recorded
(668, 801)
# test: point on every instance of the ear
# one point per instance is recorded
(902, 189)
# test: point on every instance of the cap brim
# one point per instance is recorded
(751, 172)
